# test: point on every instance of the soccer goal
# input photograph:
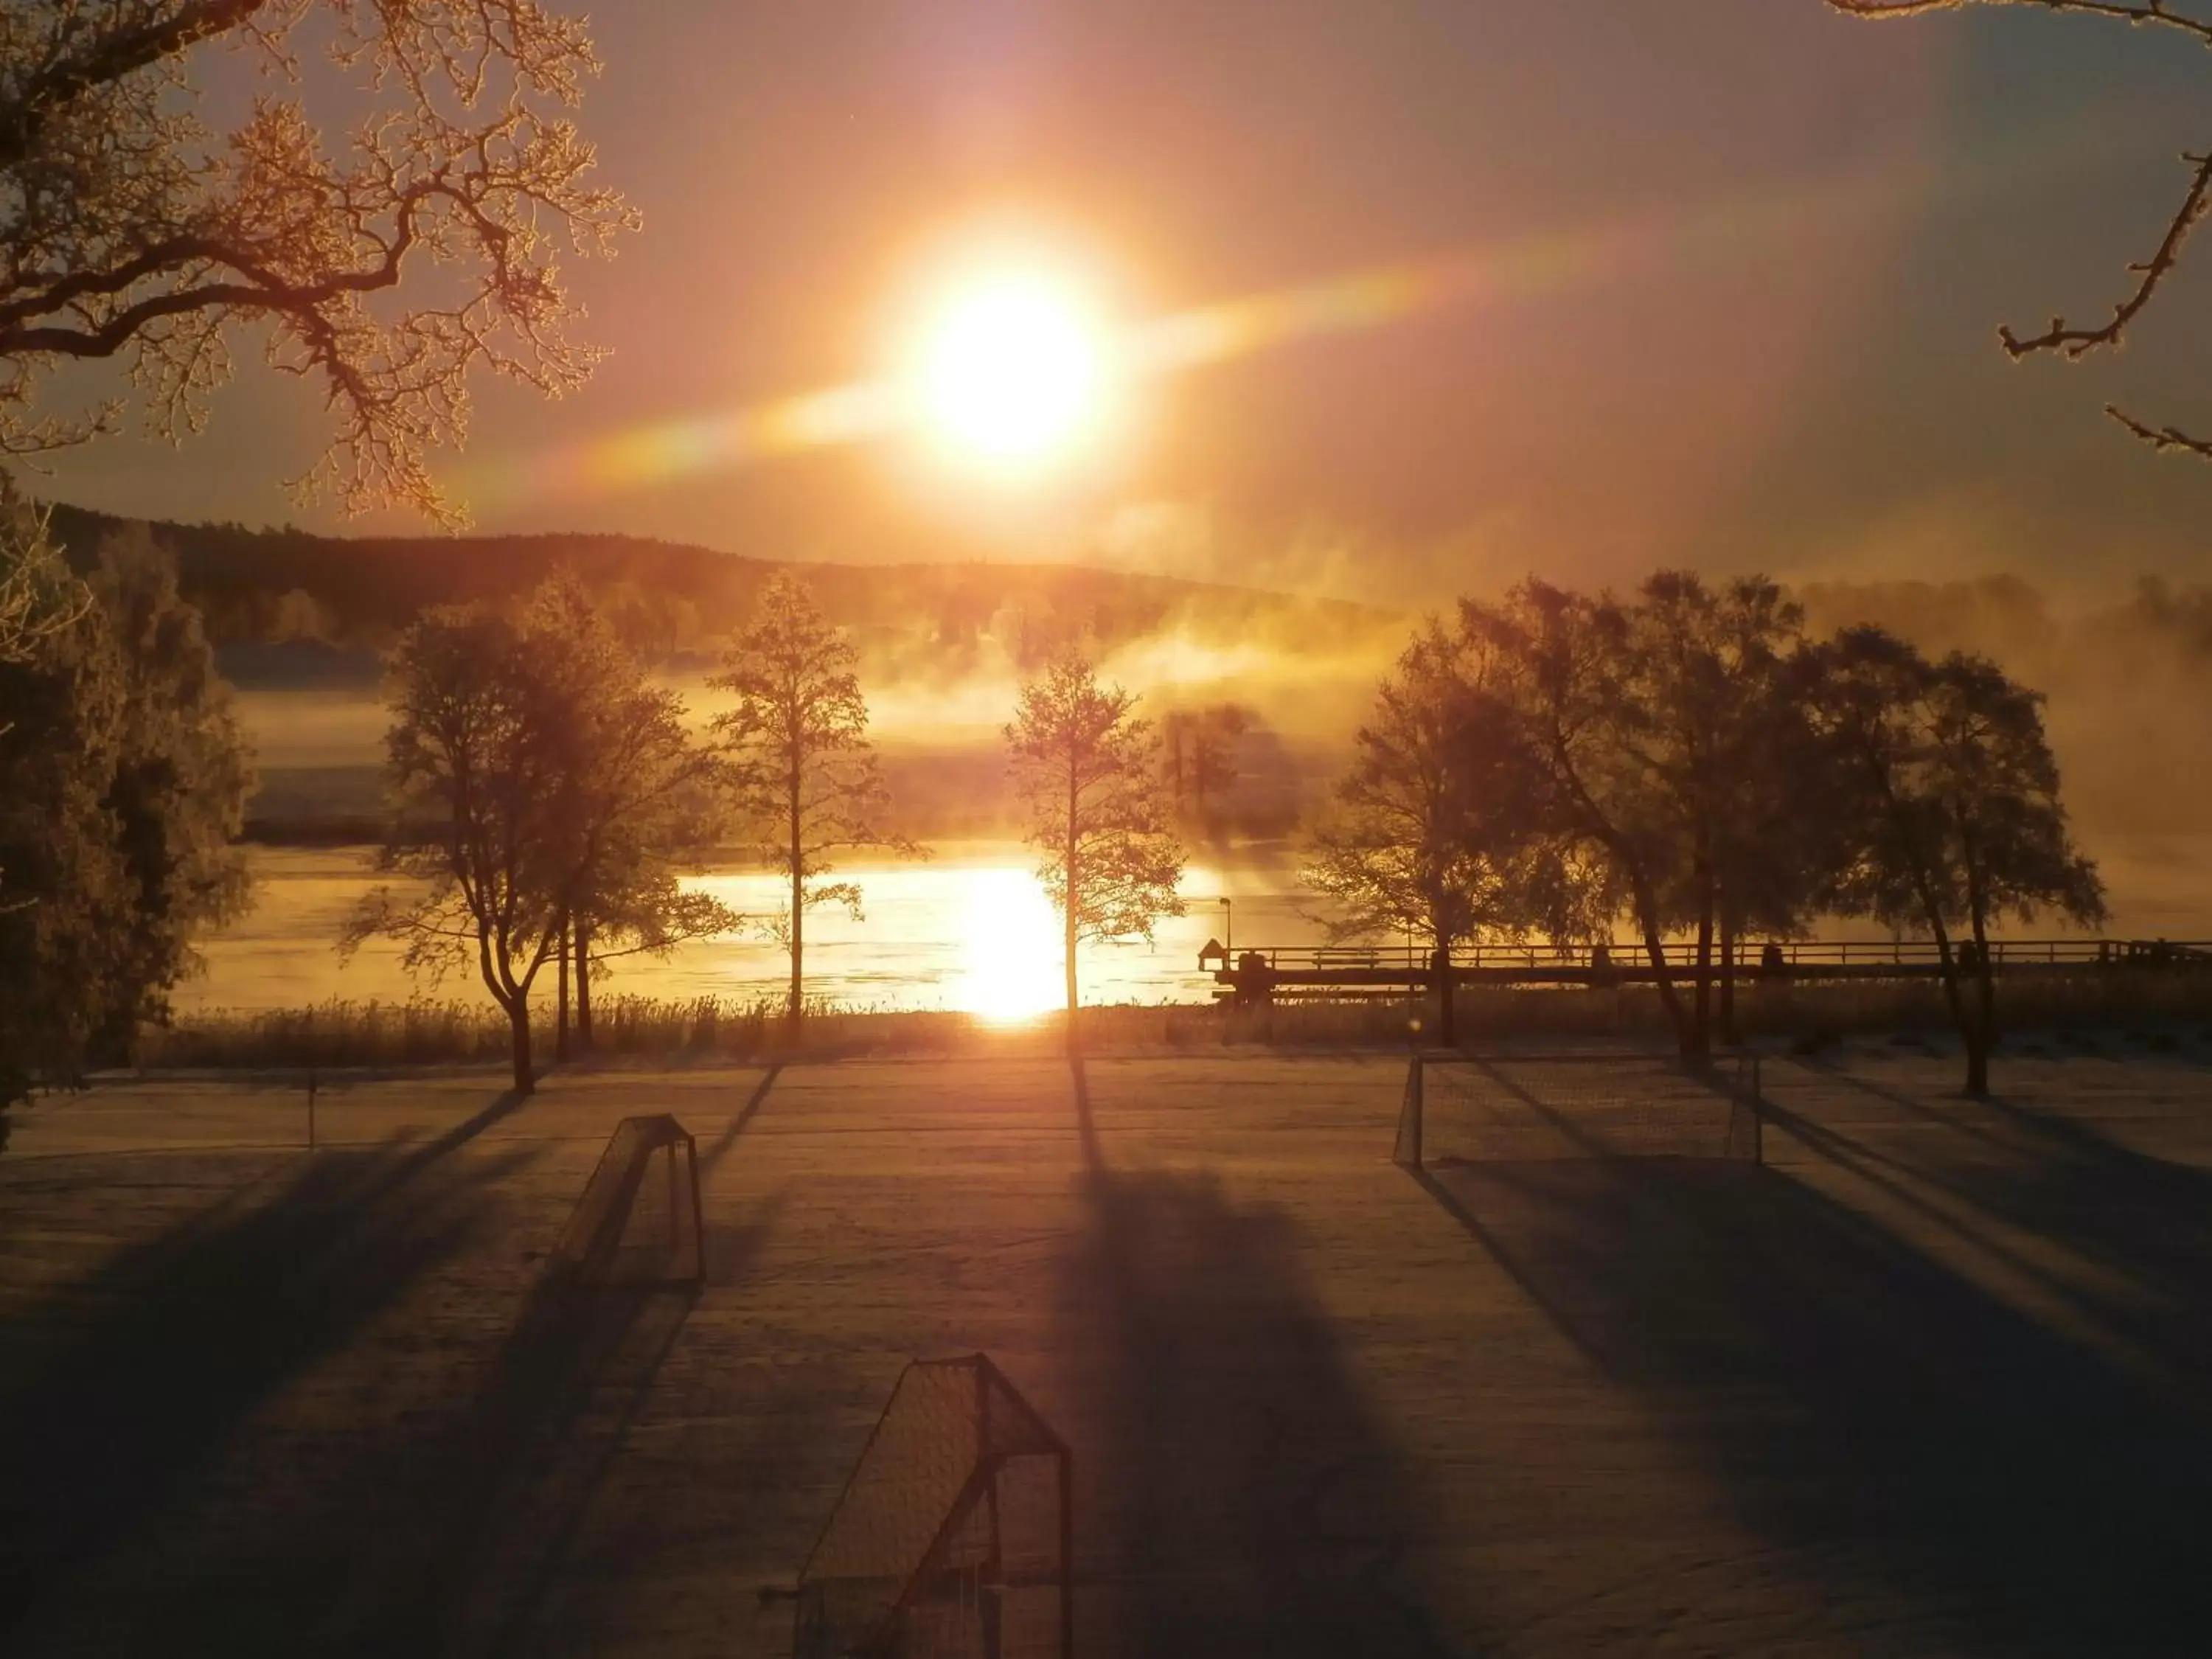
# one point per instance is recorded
(1468, 1109)
(638, 1220)
(953, 1537)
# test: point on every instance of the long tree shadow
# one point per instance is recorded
(181, 1340)
(452, 1527)
(720, 1147)
(451, 1543)
(1086, 1125)
(454, 1536)
(2144, 1222)
(559, 1458)
(1899, 1436)
(1250, 1502)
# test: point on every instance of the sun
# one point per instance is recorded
(1011, 369)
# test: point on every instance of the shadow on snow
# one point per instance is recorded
(1891, 1426)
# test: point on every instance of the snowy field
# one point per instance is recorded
(1933, 1381)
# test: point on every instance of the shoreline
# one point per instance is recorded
(2160, 1011)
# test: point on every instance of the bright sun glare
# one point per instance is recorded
(1011, 369)
(1011, 946)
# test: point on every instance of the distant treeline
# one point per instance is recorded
(668, 599)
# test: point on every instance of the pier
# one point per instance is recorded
(1263, 973)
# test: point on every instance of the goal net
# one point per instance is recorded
(953, 1536)
(1467, 1110)
(638, 1220)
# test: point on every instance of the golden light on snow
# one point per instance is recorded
(1011, 369)
(1011, 948)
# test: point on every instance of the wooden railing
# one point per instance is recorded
(1681, 956)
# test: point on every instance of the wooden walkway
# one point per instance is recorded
(1258, 972)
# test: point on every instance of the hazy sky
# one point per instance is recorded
(1753, 255)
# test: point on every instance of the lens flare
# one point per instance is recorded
(1015, 367)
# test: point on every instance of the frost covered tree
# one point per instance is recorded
(532, 780)
(1088, 773)
(136, 229)
(123, 781)
(807, 782)
(639, 802)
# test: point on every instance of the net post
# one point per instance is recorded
(1407, 1153)
(1758, 1116)
(698, 1220)
(1066, 1461)
(988, 1609)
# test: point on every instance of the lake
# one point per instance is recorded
(968, 929)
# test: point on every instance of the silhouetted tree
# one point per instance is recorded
(1960, 822)
(1432, 832)
(1704, 729)
(474, 779)
(1200, 765)
(131, 229)
(639, 802)
(1661, 739)
(808, 783)
(1562, 667)
(1788, 827)
(123, 781)
(532, 775)
(2150, 273)
(1088, 776)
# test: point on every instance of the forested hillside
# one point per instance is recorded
(259, 587)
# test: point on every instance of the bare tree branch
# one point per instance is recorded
(107, 59)
(2151, 274)
(2077, 343)
(2149, 12)
(128, 229)
(2161, 437)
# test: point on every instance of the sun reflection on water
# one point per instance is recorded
(1010, 947)
(968, 930)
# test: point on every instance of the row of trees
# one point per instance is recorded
(547, 799)
(1687, 761)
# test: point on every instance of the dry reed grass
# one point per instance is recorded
(386, 1034)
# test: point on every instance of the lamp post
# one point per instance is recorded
(1228, 930)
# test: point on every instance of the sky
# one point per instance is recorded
(1712, 282)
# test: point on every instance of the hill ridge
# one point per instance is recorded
(272, 584)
